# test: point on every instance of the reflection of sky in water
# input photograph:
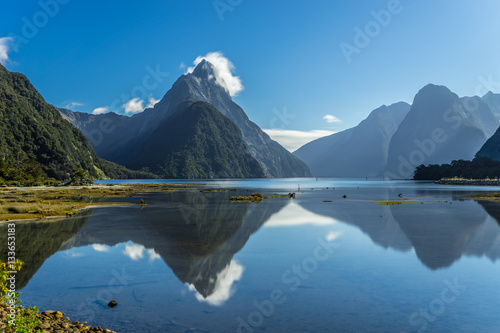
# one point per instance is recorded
(223, 285)
(294, 215)
(385, 264)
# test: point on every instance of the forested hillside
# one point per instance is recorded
(33, 130)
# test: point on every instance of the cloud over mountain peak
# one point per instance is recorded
(223, 70)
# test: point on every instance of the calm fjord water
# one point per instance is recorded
(196, 262)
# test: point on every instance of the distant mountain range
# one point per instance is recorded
(360, 151)
(138, 141)
(437, 128)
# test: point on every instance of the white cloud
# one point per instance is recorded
(134, 251)
(71, 105)
(293, 140)
(5, 43)
(223, 285)
(100, 247)
(182, 65)
(100, 110)
(223, 70)
(331, 119)
(152, 101)
(293, 215)
(136, 105)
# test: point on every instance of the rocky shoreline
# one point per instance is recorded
(54, 321)
(470, 182)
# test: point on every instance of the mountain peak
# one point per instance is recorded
(489, 94)
(434, 88)
(204, 70)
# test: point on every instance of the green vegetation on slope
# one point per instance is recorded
(198, 142)
(31, 129)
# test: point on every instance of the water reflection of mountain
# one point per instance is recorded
(196, 234)
(493, 208)
(36, 241)
(440, 234)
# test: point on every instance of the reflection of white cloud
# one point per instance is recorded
(332, 235)
(73, 254)
(153, 255)
(293, 214)
(134, 251)
(100, 247)
(223, 286)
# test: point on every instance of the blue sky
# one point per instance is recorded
(288, 54)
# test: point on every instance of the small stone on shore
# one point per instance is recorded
(52, 321)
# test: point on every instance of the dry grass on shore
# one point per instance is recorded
(495, 196)
(36, 202)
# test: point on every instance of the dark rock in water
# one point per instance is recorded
(344, 196)
(112, 304)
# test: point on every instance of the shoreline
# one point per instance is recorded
(469, 182)
(54, 321)
(18, 204)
